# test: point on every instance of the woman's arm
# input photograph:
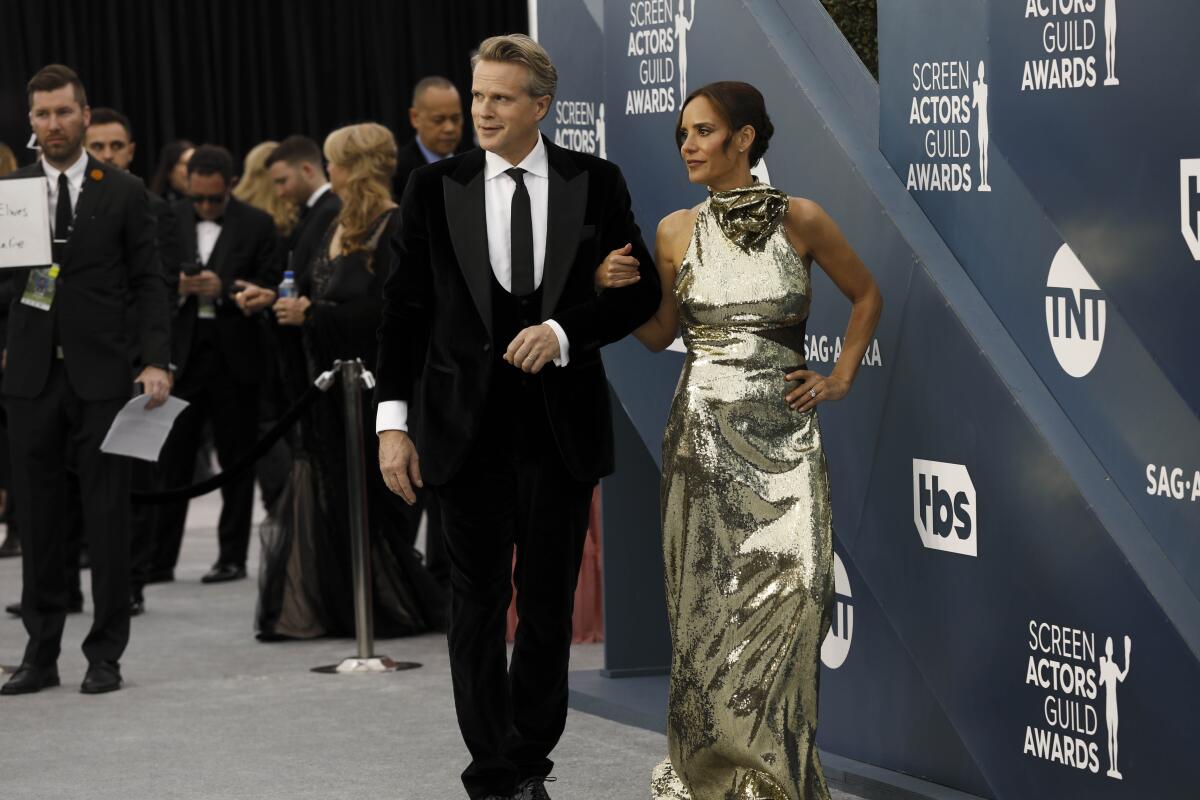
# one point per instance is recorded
(670, 244)
(813, 232)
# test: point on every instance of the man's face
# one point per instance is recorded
(438, 119)
(293, 182)
(110, 143)
(58, 121)
(506, 117)
(210, 195)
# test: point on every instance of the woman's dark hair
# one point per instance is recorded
(739, 104)
(168, 157)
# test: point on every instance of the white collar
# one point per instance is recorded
(74, 172)
(315, 196)
(535, 163)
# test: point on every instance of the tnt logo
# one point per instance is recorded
(1076, 314)
(836, 646)
(1189, 203)
(944, 507)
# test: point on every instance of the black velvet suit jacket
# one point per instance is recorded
(439, 296)
(248, 249)
(110, 271)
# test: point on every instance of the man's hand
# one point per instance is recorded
(157, 383)
(399, 464)
(251, 298)
(205, 283)
(291, 310)
(619, 269)
(533, 349)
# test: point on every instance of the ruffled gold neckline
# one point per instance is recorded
(748, 215)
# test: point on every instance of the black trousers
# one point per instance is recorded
(514, 490)
(41, 431)
(232, 407)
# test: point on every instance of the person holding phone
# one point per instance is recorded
(219, 246)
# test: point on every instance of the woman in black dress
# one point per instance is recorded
(305, 587)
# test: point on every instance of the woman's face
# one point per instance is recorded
(179, 179)
(337, 178)
(707, 150)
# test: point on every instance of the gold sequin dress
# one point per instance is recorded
(747, 534)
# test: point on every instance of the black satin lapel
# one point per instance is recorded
(568, 202)
(219, 257)
(466, 216)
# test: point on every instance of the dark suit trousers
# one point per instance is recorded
(513, 490)
(232, 407)
(41, 431)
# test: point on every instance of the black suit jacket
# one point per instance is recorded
(248, 249)
(110, 271)
(309, 234)
(440, 293)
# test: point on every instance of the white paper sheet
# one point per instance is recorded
(24, 223)
(139, 433)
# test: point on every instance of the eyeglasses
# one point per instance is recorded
(212, 199)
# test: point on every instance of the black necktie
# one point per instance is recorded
(521, 226)
(62, 210)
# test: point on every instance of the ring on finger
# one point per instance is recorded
(812, 393)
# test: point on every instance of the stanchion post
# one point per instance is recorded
(354, 377)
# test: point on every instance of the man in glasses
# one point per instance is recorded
(219, 245)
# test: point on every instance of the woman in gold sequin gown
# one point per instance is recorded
(747, 532)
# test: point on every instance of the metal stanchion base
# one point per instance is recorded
(350, 666)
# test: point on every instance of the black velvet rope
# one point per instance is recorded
(245, 462)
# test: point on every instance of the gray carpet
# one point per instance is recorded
(208, 712)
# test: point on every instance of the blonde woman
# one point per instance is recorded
(305, 582)
(8, 160)
(255, 188)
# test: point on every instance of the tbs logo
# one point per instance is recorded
(944, 507)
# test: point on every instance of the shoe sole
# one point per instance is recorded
(105, 690)
(50, 684)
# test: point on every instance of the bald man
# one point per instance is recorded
(437, 117)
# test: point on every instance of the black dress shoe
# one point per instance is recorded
(224, 572)
(102, 676)
(29, 679)
(533, 789)
(75, 606)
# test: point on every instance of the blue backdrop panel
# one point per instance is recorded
(1015, 473)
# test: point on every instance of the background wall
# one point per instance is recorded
(236, 72)
(1016, 473)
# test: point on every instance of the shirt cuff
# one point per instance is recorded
(391, 416)
(564, 347)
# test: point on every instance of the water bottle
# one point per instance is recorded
(288, 287)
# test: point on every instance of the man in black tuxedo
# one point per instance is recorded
(109, 138)
(68, 375)
(436, 116)
(220, 245)
(493, 289)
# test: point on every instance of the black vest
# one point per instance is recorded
(511, 315)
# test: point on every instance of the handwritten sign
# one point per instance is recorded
(24, 226)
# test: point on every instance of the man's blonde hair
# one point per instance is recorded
(517, 48)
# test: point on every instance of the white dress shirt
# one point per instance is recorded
(498, 191)
(207, 234)
(74, 183)
(315, 196)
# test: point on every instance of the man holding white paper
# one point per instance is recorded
(68, 374)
